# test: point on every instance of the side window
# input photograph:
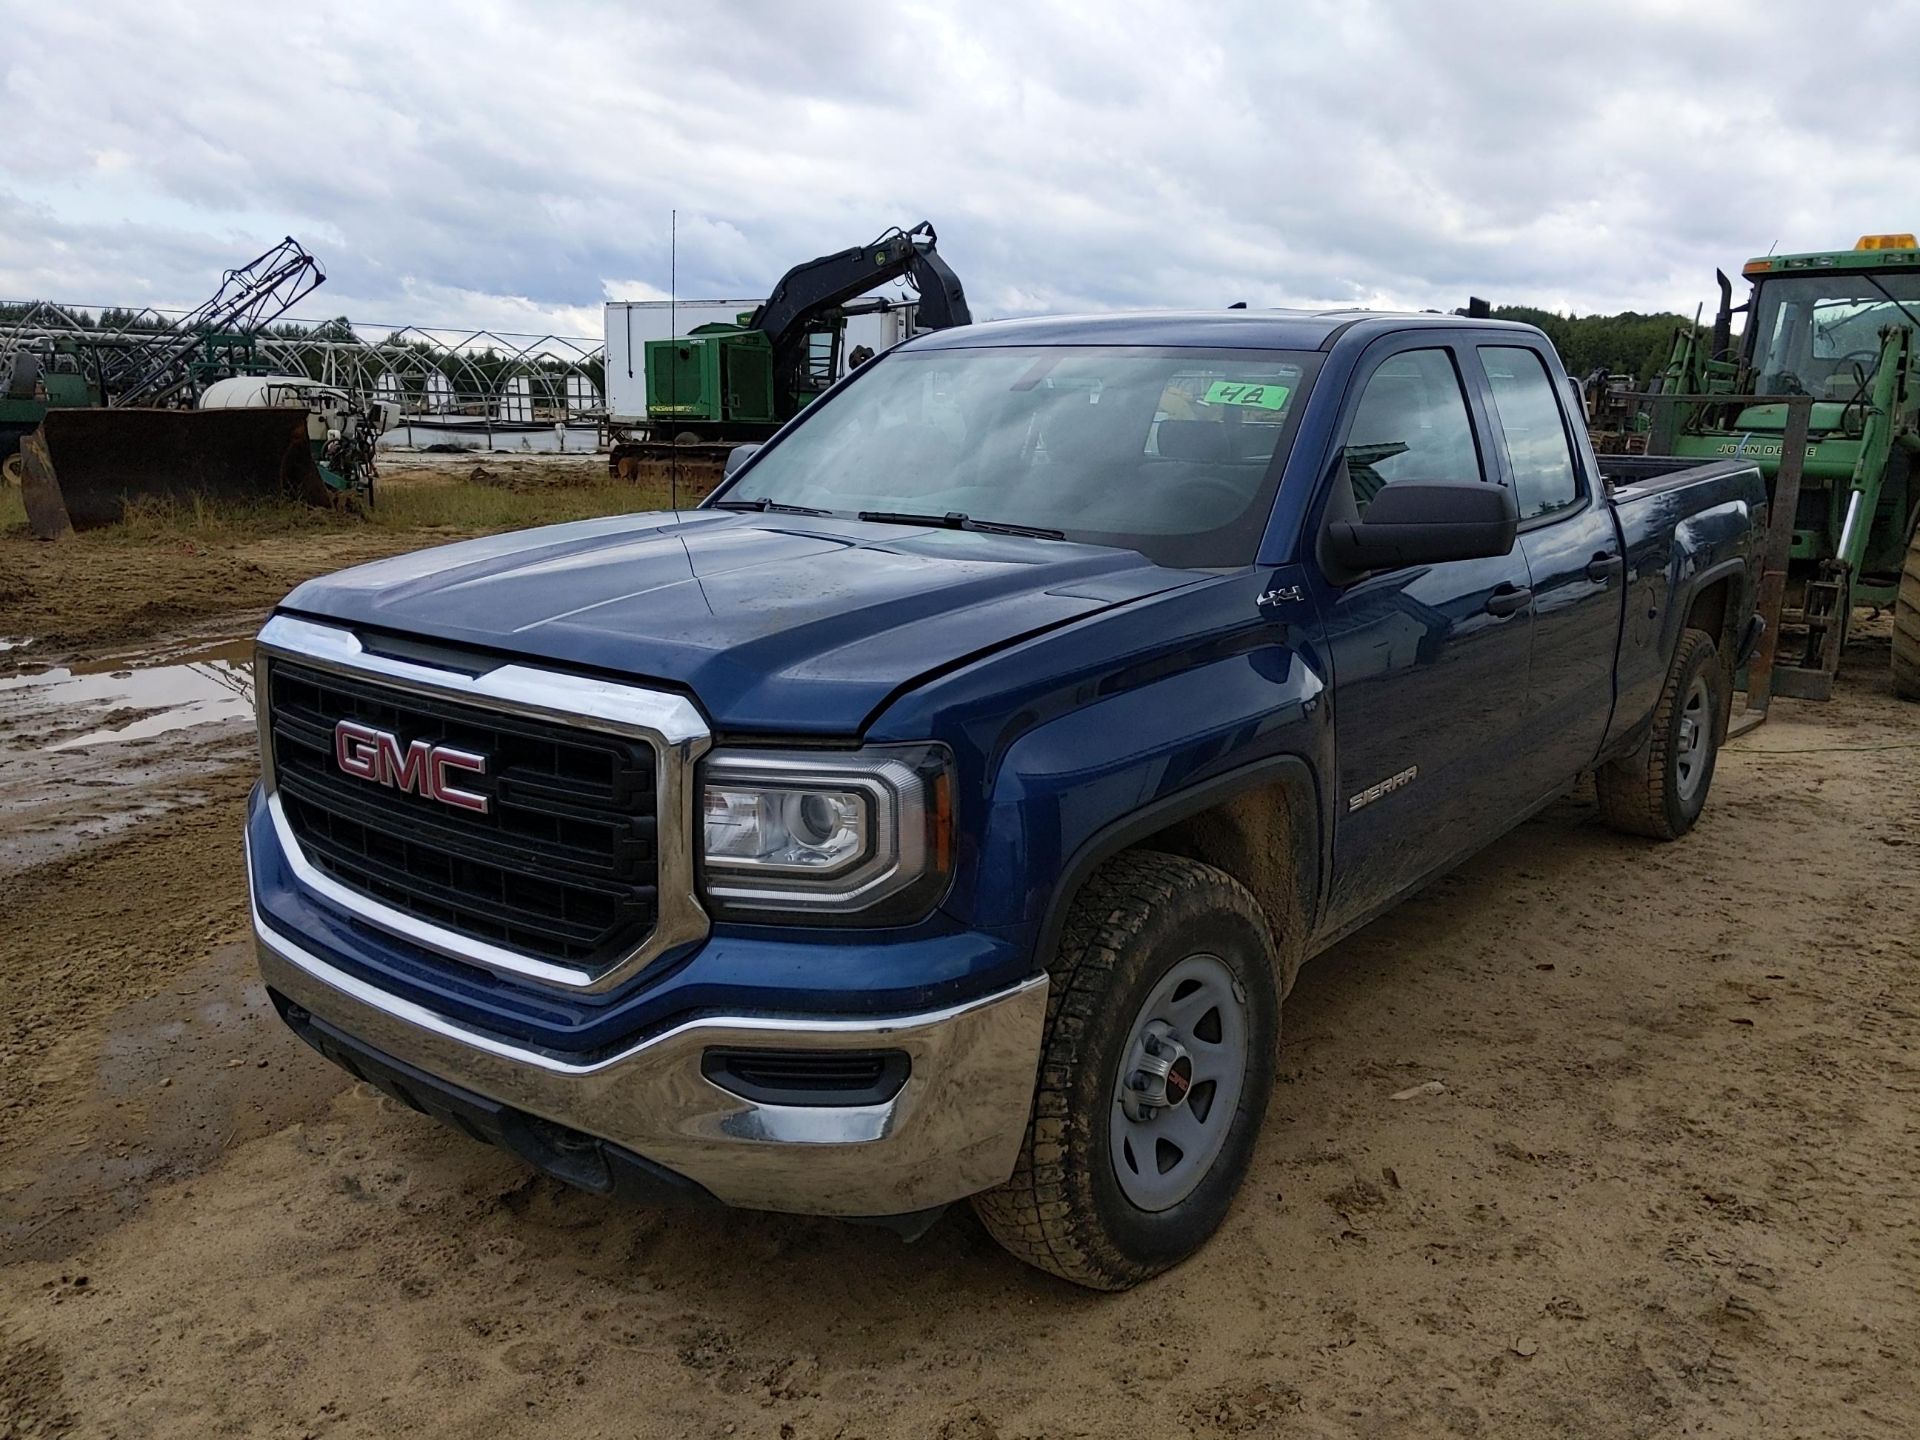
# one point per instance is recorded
(1544, 478)
(820, 359)
(1411, 424)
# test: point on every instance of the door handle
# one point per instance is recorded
(1509, 600)
(1604, 567)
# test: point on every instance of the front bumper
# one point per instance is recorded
(952, 1129)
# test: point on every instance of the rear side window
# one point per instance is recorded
(1411, 424)
(1544, 480)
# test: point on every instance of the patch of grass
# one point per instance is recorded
(434, 508)
(208, 522)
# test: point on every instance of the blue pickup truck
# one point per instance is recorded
(943, 809)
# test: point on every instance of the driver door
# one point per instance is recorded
(1430, 662)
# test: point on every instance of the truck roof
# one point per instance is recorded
(1211, 329)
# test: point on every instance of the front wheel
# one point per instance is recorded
(1158, 1057)
(1660, 789)
(1906, 622)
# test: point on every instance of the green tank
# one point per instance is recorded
(714, 383)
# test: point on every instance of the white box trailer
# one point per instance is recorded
(631, 323)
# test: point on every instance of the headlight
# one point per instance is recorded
(811, 835)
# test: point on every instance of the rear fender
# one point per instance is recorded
(1705, 550)
(1725, 622)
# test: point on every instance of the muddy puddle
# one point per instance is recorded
(91, 747)
(123, 698)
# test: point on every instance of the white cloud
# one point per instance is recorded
(633, 290)
(511, 165)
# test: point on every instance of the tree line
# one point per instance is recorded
(1628, 343)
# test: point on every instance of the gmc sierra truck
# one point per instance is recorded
(943, 809)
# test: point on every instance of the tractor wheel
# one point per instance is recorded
(1906, 624)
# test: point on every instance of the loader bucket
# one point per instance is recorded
(82, 467)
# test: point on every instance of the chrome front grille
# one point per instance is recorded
(560, 865)
(577, 868)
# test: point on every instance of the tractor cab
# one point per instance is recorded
(1816, 321)
(1839, 326)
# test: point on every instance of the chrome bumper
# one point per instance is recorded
(953, 1129)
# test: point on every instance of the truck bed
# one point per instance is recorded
(1677, 547)
(1628, 476)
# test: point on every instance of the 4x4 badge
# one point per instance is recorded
(1282, 595)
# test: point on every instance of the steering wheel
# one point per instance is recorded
(1870, 354)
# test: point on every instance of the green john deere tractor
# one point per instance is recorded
(1843, 329)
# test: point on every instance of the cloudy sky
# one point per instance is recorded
(515, 164)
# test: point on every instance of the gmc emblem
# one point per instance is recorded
(369, 754)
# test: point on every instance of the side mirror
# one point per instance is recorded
(738, 456)
(1426, 522)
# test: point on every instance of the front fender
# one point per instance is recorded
(1288, 882)
(1076, 742)
(1071, 793)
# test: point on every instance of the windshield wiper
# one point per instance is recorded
(954, 520)
(762, 503)
(1874, 280)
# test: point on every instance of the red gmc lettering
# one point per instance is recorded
(356, 749)
(445, 760)
(369, 754)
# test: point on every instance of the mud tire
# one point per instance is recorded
(1906, 624)
(1063, 1211)
(1642, 793)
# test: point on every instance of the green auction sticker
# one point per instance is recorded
(1231, 392)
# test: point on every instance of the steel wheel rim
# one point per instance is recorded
(1197, 1013)
(1690, 750)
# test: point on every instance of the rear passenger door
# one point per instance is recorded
(1429, 661)
(1573, 554)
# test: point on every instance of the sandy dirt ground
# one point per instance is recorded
(1670, 1185)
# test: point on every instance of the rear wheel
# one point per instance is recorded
(1660, 789)
(1157, 1061)
(1906, 624)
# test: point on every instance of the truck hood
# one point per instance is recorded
(787, 624)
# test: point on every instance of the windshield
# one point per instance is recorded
(1820, 334)
(1173, 453)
